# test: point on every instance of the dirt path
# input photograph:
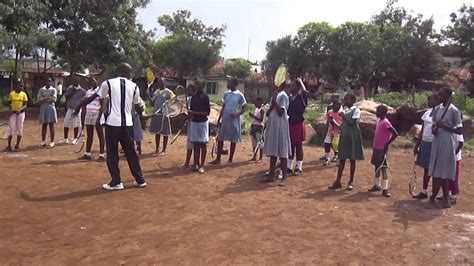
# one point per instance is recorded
(53, 212)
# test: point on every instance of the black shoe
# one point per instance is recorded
(385, 193)
(289, 171)
(8, 149)
(335, 185)
(374, 188)
(297, 172)
(85, 157)
(16, 149)
(101, 159)
(420, 195)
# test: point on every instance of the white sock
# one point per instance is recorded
(327, 156)
(299, 165)
(88, 154)
(424, 191)
(102, 155)
(385, 185)
(377, 181)
(290, 164)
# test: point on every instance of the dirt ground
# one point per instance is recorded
(52, 211)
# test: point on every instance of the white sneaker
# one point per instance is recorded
(42, 144)
(74, 141)
(63, 141)
(327, 162)
(116, 187)
(51, 145)
(142, 185)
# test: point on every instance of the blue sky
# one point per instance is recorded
(263, 20)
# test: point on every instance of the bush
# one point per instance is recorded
(397, 99)
(215, 99)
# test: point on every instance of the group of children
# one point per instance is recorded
(438, 149)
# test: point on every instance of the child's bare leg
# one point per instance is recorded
(52, 131)
(189, 152)
(76, 132)
(157, 143)
(340, 170)
(426, 179)
(139, 147)
(197, 153)
(232, 151)
(352, 172)
(271, 173)
(220, 144)
(100, 134)
(283, 164)
(165, 143)
(44, 128)
(261, 154)
(289, 161)
(66, 132)
(90, 138)
(18, 139)
(203, 153)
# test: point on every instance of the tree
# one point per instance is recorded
(352, 53)
(313, 40)
(94, 32)
(21, 24)
(461, 32)
(284, 51)
(237, 67)
(189, 47)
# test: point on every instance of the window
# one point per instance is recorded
(211, 87)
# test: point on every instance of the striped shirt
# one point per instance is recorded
(123, 95)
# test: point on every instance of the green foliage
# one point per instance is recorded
(216, 99)
(461, 32)
(190, 47)
(95, 32)
(397, 99)
(237, 67)
(394, 46)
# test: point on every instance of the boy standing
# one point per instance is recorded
(74, 95)
(385, 134)
(18, 102)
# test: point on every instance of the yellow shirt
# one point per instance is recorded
(17, 100)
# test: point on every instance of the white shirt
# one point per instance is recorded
(123, 95)
(459, 138)
(356, 114)
(60, 89)
(427, 126)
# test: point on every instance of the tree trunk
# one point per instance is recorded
(38, 63)
(17, 55)
(413, 92)
(45, 58)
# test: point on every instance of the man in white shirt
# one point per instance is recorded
(123, 94)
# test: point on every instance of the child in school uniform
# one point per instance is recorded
(189, 144)
(160, 121)
(298, 101)
(334, 117)
(48, 116)
(137, 125)
(422, 149)
(350, 142)
(327, 147)
(256, 128)
(385, 134)
(277, 135)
